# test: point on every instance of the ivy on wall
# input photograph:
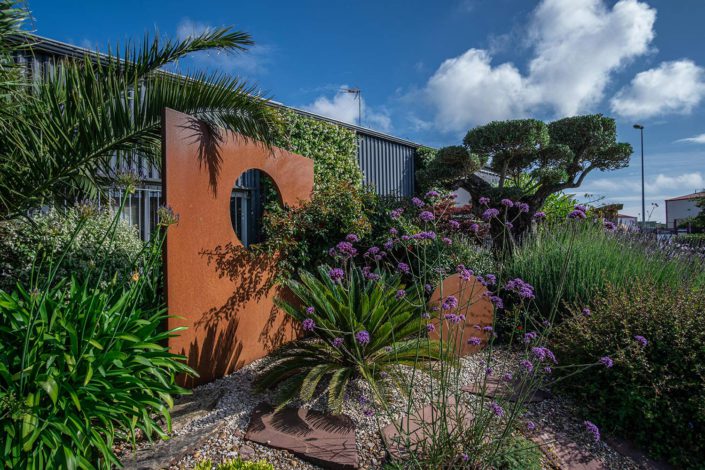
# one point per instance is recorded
(332, 148)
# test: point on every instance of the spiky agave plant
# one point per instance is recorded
(361, 327)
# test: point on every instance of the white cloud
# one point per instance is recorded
(344, 107)
(696, 139)
(671, 88)
(253, 61)
(659, 184)
(576, 45)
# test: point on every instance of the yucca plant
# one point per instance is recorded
(359, 328)
(68, 126)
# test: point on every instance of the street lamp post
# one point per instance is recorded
(643, 199)
(357, 93)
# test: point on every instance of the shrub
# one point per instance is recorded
(27, 244)
(303, 235)
(83, 363)
(234, 464)
(361, 328)
(593, 258)
(654, 394)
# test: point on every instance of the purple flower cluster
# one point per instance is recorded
(369, 275)
(362, 337)
(403, 268)
(453, 318)
(497, 301)
(530, 426)
(579, 212)
(465, 273)
(308, 324)
(543, 353)
(454, 224)
(523, 207)
(610, 226)
(417, 202)
(431, 194)
(336, 274)
(641, 340)
(520, 287)
(484, 200)
(430, 327)
(592, 429)
(345, 249)
(310, 310)
(507, 203)
(447, 241)
(426, 216)
(396, 213)
(526, 364)
(401, 293)
(424, 236)
(530, 336)
(474, 228)
(352, 238)
(337, 342)
(496, 409)
(490, 213)
(607, 361)
(449, 303)
(540, 215)
(474, 341)
(586, 312)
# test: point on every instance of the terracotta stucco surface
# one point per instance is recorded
(219, 295)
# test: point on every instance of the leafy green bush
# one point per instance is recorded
(234, 464)
(593, 258)
(82, 362)
(303, 235)
(27, 244)
(653, 394)
(332, 148)
(361, 327)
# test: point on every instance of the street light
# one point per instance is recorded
(358, 96)
(643, 200)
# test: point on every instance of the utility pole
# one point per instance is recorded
(643, 199)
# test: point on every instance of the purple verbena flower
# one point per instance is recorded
(490, 213)
(576, 214)
(543, 353)
(417, 202)
(530, 336)
(452, 318)
(310, 310)
(352, 238)
(509, 225)
(337, 342)
(526, 364)
(426, 315)
(428, 288)
(346, 249)
(592, 429)
(403, 268)
(520, 287)
(447, 241)
(393, 231)
(497, 301)
(507, 202)
(508, 377)
(530, 426)
(607, 361)
(580, 207)
(308, 324)
(430, 327)
(426, 216)
(401, 293)
(523, 207)
(586, 312)
(487, 329)
(388, 245)
(396, 213)
(474, 341)
(464, 457)
(484, 200)
(454, 224)
(336, 274)
(431, 194)
(449, 303)
(610, 226)
(539, 215)
(474, 228)
(362, 337)
(641, 340)
(496, 409)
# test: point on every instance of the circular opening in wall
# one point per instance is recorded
(254, 193)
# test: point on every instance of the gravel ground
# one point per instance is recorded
(237, 400)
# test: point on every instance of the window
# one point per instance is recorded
(254, 193)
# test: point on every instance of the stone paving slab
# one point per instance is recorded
(322, 439)
(566, 454)
(498, 388)
(413, 430)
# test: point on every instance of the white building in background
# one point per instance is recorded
(626, 220)
(682, 207)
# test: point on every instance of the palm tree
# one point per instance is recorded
(60, 130)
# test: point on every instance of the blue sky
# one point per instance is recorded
(429, 71)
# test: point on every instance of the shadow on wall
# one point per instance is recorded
(252, 276)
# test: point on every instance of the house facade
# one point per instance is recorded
(680, 208)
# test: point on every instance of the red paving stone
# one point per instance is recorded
(322, 439)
